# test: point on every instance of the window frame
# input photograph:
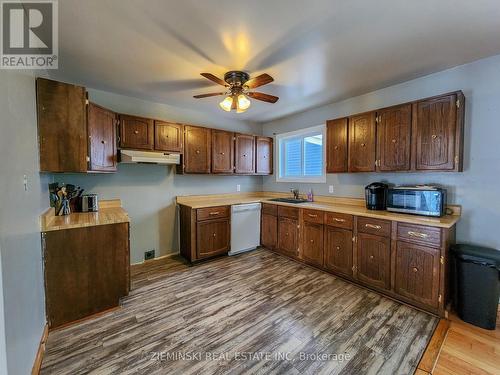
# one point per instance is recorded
(302, 133)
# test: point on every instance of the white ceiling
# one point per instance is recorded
(318, 51)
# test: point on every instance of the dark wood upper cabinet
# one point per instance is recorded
(136, 132)
(394, 138)
(373, 256)
(336, 145)
(312, 247)
(417, 273)
(438, 133)
(197, 149)
(168, 136)
(264, 155)
(62, 126)
(244, 150)
(362, 143)
(338, 250)
(102, 139)
(222, 151)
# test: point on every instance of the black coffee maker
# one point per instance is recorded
(376, 196)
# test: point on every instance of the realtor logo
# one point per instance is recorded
(29, 35)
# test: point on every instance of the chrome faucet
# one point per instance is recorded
(295, 193)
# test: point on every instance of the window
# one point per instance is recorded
(301, 155)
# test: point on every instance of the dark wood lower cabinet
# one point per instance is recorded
(86, 271)
(417, 273)
(374, 260)
(269, 231)
(338, 250)
(288, 236)
(204, 232)
(212, 238)
(312, 251)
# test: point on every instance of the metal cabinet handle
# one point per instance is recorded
(371, 256)
(197, 151)
(415, 269)
(363, 144)
(214, 235)
(338, 247)
(373, 226)
(417, 234)
(339, 220)
(311, 215)
(312, 241)
(104, 142)
(214, 213)
(136, 131)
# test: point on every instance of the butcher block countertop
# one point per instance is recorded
(352, 206)
(110, 212)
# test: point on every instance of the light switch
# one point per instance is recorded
(238, 187)
(330, 189)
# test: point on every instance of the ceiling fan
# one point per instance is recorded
(238, 83)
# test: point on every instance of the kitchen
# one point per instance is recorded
(220, 168)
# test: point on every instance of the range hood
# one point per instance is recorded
(149, 157)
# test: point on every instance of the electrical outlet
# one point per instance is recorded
(149, 254)
(330, 189)
(238, 187)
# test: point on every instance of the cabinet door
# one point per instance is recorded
(222, 151)
(313, 244)
(269, 231)
(417, 273)
(288, 236)
(168, 136)
(362, 143)
(336, 145)
(394, 138)
(136, 132)
(338, 250)
(197, 149)
(102, 138)
(373, 254)
(264, 155)
(244, 148)
(62, 126)
(212, 238)
(434, 132)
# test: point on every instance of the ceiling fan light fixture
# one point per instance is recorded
(227, 103)
(243, 103)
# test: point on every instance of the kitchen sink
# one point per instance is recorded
(288, 200)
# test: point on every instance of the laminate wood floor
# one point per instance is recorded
(253, 313)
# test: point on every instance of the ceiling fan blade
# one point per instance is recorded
(207, 95)
(213, 78)
(264, 97)
(258, 81)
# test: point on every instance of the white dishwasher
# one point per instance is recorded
(245, 227)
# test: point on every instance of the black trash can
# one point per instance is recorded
(476, 282)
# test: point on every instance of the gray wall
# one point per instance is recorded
(22, 279)
(148, 191)
(476, 189)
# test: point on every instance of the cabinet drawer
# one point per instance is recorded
(419, 233)
(374, 226)
(269, 209)
(339, 220)
(212, 213)
(313, 216)
(290, 212)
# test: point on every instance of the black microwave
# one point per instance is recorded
(417, 200)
